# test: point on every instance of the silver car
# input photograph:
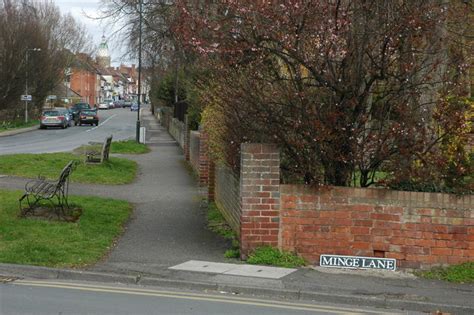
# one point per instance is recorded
(54, 118)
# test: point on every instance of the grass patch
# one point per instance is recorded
(463, 273)
(115, 171)
(129, 147)
(267, 255)
(232, 253)
(17, 124)
(60, 244)
(217, 223)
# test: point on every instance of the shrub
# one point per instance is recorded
(463, 273)
(267, 255)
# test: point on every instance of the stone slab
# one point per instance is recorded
(234, 269)
(203, 266)
(260, 271)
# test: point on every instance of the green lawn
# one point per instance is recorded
(129, 147)
(9, 125)
(114, 171)
(60, 244)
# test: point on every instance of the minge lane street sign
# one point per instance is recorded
(356, 262)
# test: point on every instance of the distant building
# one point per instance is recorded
(83, 78)
(103, 56)
(94, 81)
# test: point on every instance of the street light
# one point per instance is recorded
(139, 67)
(26, 80)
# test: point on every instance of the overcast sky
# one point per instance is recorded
(81, 10)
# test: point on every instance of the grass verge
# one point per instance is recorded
(267, 255)
(217, 224)
(128, 147)
(463, 273)
(121, 147)
(9, 125)
(115, 171)
(60, 244)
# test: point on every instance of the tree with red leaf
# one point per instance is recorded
(344, 87)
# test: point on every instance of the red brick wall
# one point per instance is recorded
(83, 82)
(206, 166)
(203, 159)
(259, 196)
(418, 229)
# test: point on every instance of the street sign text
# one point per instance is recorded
(356, 262)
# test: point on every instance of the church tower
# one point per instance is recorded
(103, 56)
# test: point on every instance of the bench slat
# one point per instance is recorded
(103, 155)
(40, 189)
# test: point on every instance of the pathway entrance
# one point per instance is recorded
(168, 226)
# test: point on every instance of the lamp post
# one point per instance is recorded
(140, 17)
(26, 79)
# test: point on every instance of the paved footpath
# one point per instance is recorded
(168, 228)
(168, 224)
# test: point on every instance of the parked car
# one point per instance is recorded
(134, 107)
(127, 104)
(118, 104)
(53, 118)
(110, 103)
(76, 108)
(88, 116)
(104, 105)
(67, 113)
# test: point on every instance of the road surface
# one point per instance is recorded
(119, 122)
(49, 297)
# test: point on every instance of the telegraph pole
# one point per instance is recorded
(26, 80)
(139, 67)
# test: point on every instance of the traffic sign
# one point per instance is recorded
(26, 98)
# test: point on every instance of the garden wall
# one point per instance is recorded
(176, 129)
(227, 185)
(194, 149)
(164, 114)
(418, 229)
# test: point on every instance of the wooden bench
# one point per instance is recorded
(55, 192)
(100, 156)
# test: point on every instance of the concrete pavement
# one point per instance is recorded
(168, 228)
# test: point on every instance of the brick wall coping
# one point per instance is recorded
(386, 196)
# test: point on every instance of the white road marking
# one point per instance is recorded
(105, 121)
(328, 309)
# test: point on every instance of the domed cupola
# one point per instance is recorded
(103, 56)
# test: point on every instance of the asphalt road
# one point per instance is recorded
(47, 297)
(120, 122)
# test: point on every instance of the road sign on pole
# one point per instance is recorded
(26, 98)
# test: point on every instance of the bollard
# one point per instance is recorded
(142, 135)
